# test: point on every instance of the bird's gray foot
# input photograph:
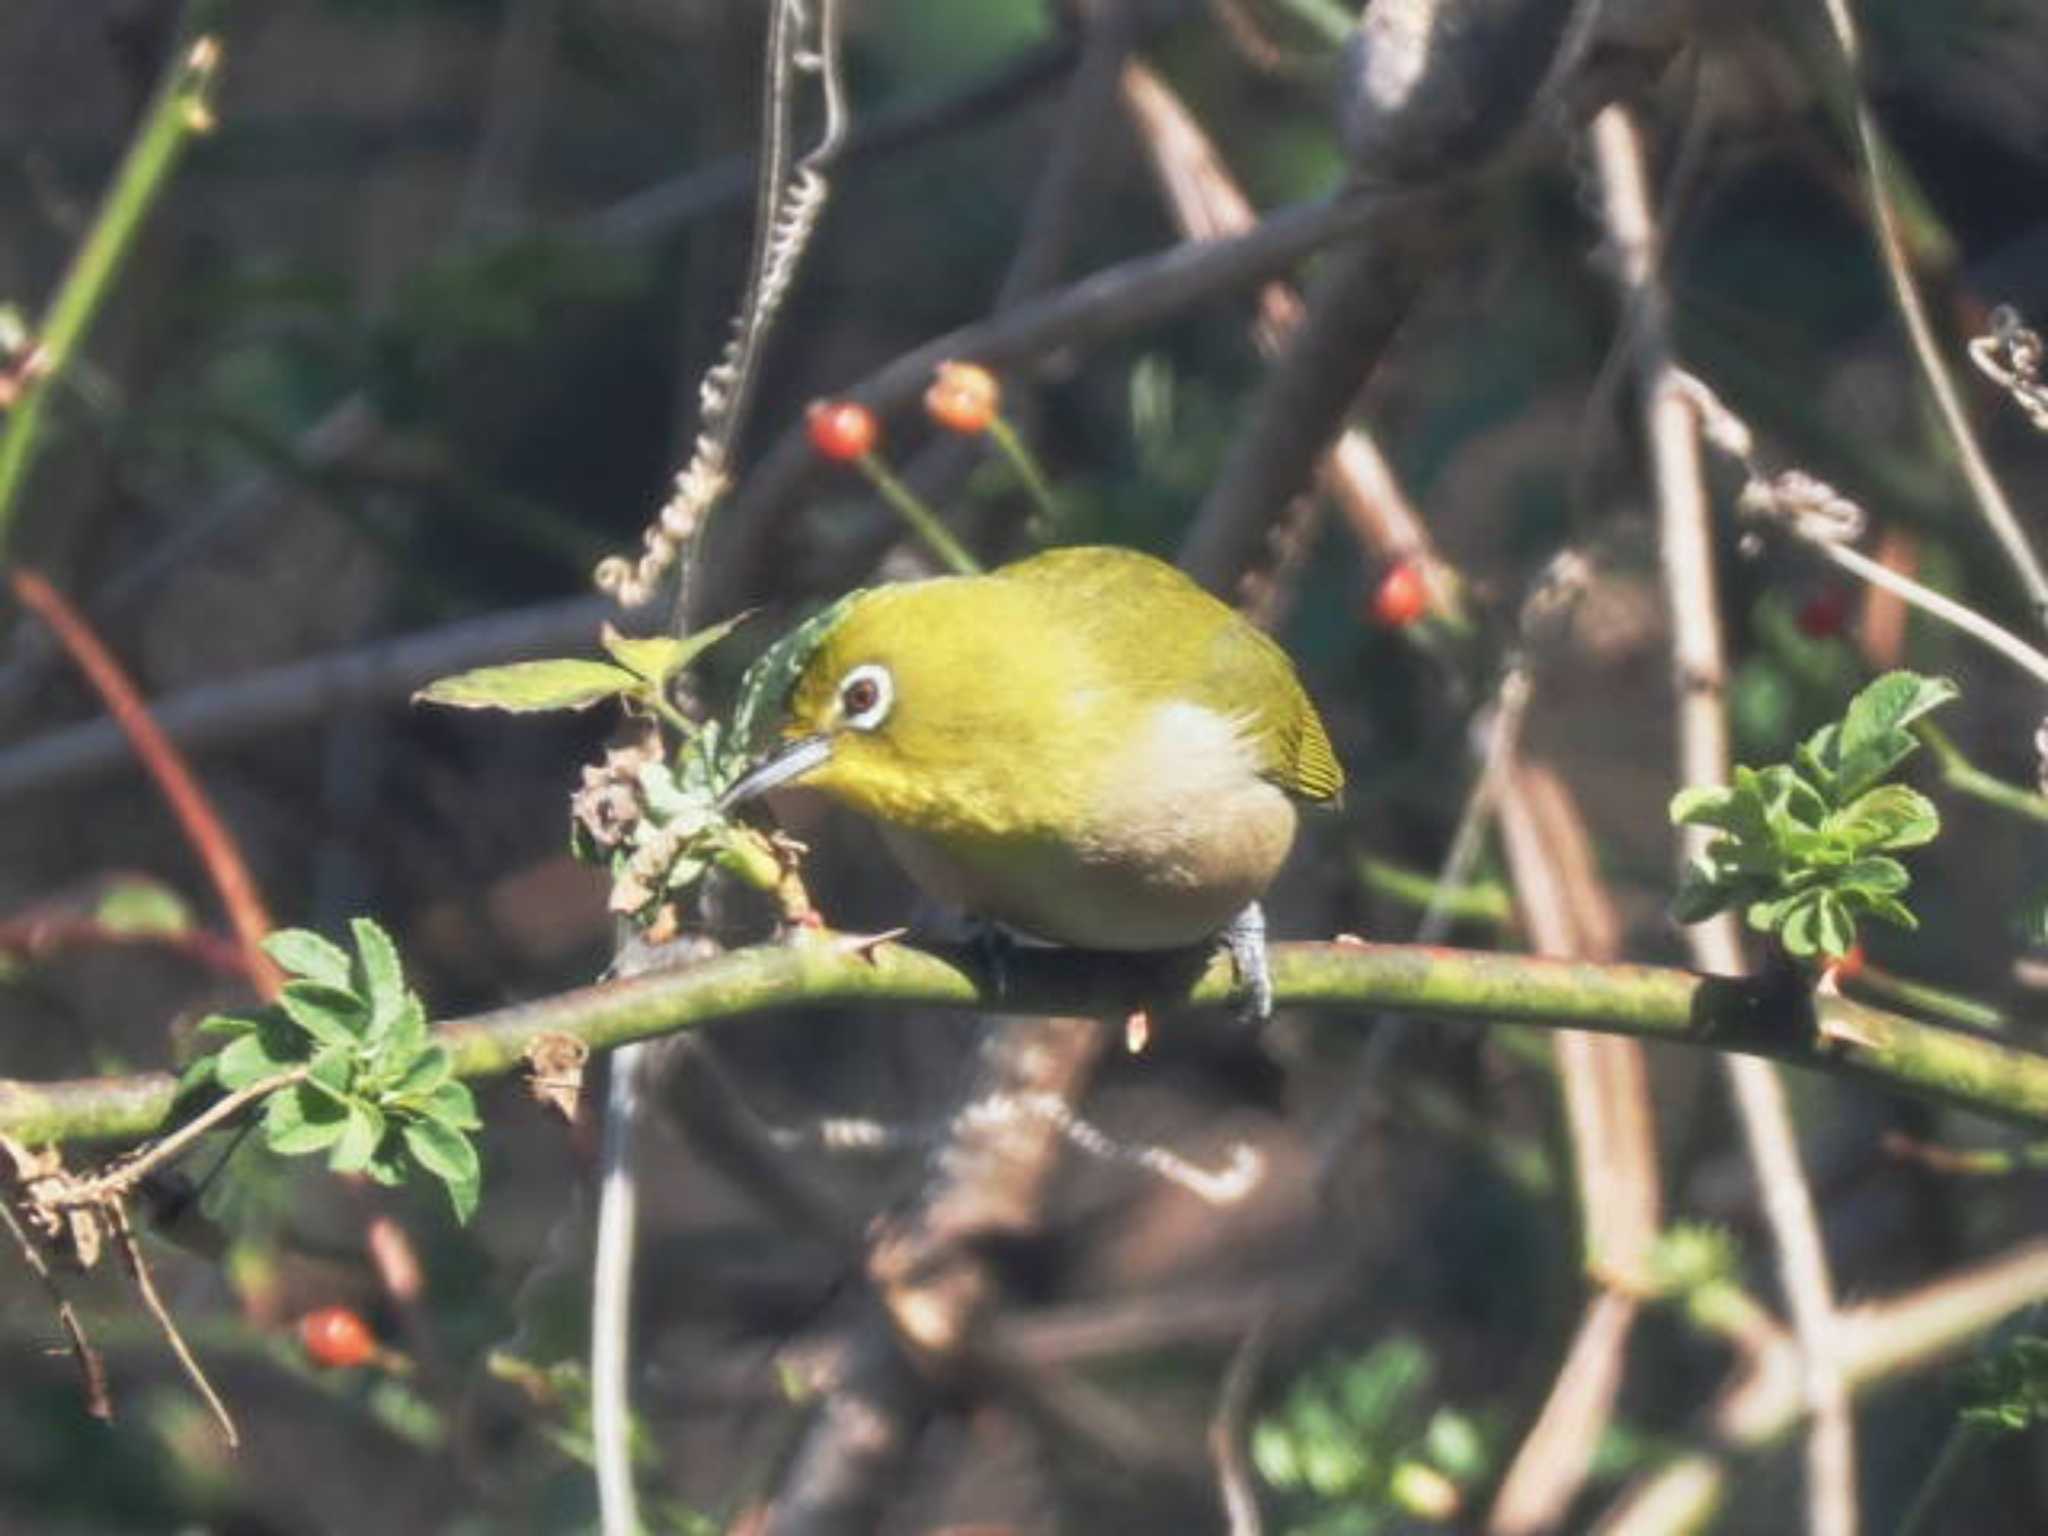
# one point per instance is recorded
(1245, 938)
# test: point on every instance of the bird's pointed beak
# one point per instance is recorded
(784, 764)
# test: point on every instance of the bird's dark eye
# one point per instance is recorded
(865, 696)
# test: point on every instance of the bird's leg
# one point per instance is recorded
(993, 945)
(1245, 938)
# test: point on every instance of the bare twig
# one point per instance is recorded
(92, 1370)
(789, 200)
(215, 714)
(936, 1283)
(1990, 497)
(202, 826)
(1814, 512)
(1567, 912)
(1879, 1341)
(1700, 670)
(1108, 303)
(145, 1283)
(1227, 1430)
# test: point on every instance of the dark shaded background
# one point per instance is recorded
(406, 342)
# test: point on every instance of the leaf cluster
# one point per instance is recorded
(370, 1087)
(2009, 1390)
(1805, 848)
(654, 817)
(1351, 1441)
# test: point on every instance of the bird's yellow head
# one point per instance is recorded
(936, 704)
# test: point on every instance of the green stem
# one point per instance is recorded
(1025, 463)
(1481, 902)
(180, 110)
(1962, 1439)
(1966, 778)
(923, 521)
(1952, 1006)
(1759, 1016)
(1329, 19)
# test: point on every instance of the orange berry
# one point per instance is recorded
(1849, 966)
(843, 431)
(337, 1337)
(964, 398)
(1403, 595)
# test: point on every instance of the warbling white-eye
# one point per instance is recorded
(1084, 746)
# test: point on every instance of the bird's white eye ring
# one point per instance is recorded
(865, 695)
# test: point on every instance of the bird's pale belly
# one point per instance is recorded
(1169, 872)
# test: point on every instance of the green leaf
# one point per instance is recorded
(330, 1015)
(388, 1165)
(1872, 764)
(358, 1141)
(1702, 805)
(138, 906)
(451, 1157)
(1799, 925)
(407, 1031)
(1869, 878)
(304, 953)
(331, 1070)
(658, 658)
(429, 1070)
(453, 1104)
(301, 1120)
(653, 658)
(255, 1056)
(1701, 894)
(1834, 929)
(1891, 704)
(383, 977)
(528, 687)
(226, 1024)
(1890, 816)
(1889, 909)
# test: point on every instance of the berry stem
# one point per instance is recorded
(923, 521)
(1027, 467)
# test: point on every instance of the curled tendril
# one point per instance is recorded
(791, 200)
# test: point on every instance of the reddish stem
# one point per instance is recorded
(203, 828)
(34, 935)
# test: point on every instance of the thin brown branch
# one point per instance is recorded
(1985, 490)
(145, 1283)
(92, 1370)
(1227, 1430)
(1105, 304)
(935, 1280)
(202, 826)
(1566, 911)
(37, 936)
(1700, 672)
(1879, 1342)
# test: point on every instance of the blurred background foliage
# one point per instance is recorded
(414, 336)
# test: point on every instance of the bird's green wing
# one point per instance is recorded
(1169, 637)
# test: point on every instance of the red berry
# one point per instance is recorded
(1823, 614)
(843, 431)
(337, 1338)
(1403, 595)
(964, 398)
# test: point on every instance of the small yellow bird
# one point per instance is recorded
(1084, 746)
